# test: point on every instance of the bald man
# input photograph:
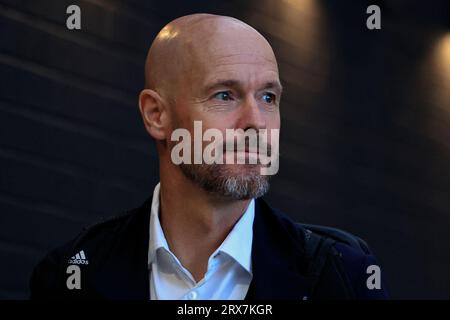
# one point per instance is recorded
(206, 233)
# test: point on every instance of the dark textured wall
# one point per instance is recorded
(364, 140)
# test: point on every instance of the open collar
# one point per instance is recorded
(278, 262)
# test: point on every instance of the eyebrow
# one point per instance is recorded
(276, 85)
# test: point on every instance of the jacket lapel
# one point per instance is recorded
(125, 274)
(278, 260)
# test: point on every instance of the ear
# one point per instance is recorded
(154, 113)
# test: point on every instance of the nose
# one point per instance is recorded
(251, 115)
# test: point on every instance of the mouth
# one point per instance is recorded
(249, 157)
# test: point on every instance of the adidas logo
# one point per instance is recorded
(79, 258)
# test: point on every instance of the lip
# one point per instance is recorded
(246, 151)
(250, 154)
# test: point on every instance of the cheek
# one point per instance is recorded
(273, 120)
(182, 118)
(221, 122)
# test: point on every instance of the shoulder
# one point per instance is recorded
(342, 262)
(95, 236)
(97, 240)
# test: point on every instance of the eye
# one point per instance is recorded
(268, 97)
(223, 95)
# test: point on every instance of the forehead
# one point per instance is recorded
(246, 72)
(227, 49)
(236, 60)
(235, 45)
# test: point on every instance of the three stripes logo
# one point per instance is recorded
(79, 258)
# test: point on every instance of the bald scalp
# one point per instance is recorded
(173, 53)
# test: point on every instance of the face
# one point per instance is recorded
(233, 83)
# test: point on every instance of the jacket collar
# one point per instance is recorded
(124, 275)
(278, 258)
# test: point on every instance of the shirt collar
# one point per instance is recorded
(157, 238)
(237, 245)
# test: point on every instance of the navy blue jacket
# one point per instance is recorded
(117, 251)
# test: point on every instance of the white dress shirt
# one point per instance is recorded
(229, 271)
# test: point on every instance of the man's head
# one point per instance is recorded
(222, 72)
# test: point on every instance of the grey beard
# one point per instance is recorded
(214, 178)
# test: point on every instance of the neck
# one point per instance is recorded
(195, 222)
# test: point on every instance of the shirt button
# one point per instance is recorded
(192, 295)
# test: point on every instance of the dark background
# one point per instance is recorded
(365, 124)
